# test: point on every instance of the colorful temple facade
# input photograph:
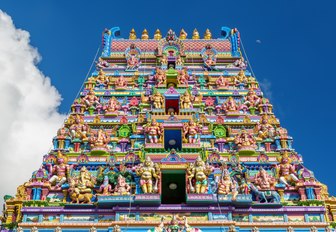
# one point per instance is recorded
(171, 134)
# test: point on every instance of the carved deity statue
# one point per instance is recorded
(191, 131)
(198, 172)
(154, 132)
(164, 60)
(263, 180)
(81, 187)
(121, 83)
(105, 188)
(222, 82)
(99, 139)
(102, 79)
(183, 77)
(122, 188)
(157, 100)
(264, 129)
(79, 129)
(160, 76)
(113, 105)
(286, 171)
(60, 171)
(251, 99)
(227, 185)
(91, 100)
(245, 140)
(186, 100)
(230, 105)
(148, 172)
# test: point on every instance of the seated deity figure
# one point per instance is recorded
(122, 188)
(121, 83)
(222, 82)
(241, 78)
(179, 61)
(60, 171)
(113, 105)
(81, 186)
(264, 129)
(133, 62)
(198, 173)
(91, 100)
(154, 132)
(101, 64)
(160, 77)
(148, 173)
(230, 105)
(157, 100)
(245, 140)
(263, 180)
(227, 186)
(191, 131)
(102, 79)
(251, 99)
(183, 77)
(164, 60)
(286, 171)
(186, 100)
(79, 129)
(240, 63)
(105, 188)
(99, 139)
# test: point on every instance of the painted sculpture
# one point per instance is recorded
(198, 173)
(148, 174)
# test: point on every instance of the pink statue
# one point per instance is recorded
(133, 62)
(263, 180)
(222, 82)
(91, 100)
(230, 105)
(112, 106)
(121, 83)
(245, 140)
(105, 189)
(122, 188)
(101, 64)
(154, 132)
(190, 131)
(60, 171)
(251, 99)
(183, 77)
(99, 139)
(160, 77)
(286, 171)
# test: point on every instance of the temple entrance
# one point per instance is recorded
(173, 139)
(173, 187)
(172, 105)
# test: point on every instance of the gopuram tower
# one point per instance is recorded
(171, 133)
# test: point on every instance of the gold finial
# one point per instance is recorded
(132, 34)
(144, 35)
(195, 34)
(183, 34)
(207, 34)
(157, 34)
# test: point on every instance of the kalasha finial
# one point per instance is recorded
(157, 35)
(195, 34)
(207, 34)
(132, 34)
(144, 35)
(183, 34)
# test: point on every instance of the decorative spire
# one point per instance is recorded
(183, 34)
(144, 35)
(207, 34)
(195, 34)
(132, 34)
(157, 35)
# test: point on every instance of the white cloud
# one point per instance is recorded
(28, 108)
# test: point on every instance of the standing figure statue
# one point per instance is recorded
(154, 132)
(157, 100)
(286, 171)
(198, 173)
(186, 100)
(183, 77)
(60, 171)
(148, 172)
(191, 131)
(160, 77)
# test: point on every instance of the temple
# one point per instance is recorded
(171, 134)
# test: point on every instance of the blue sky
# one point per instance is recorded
(290, 45)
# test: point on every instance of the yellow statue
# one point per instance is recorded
(227, 186)
(157, 35)
(195, 34)
(144, 35)
(81, 187)
(186, 100)
(132, 34)
(183, 34)
(199, 171)
(147, 172)
(207, 34)
(157, 100)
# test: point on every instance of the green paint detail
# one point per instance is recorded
(220, 131)
(124, 131)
